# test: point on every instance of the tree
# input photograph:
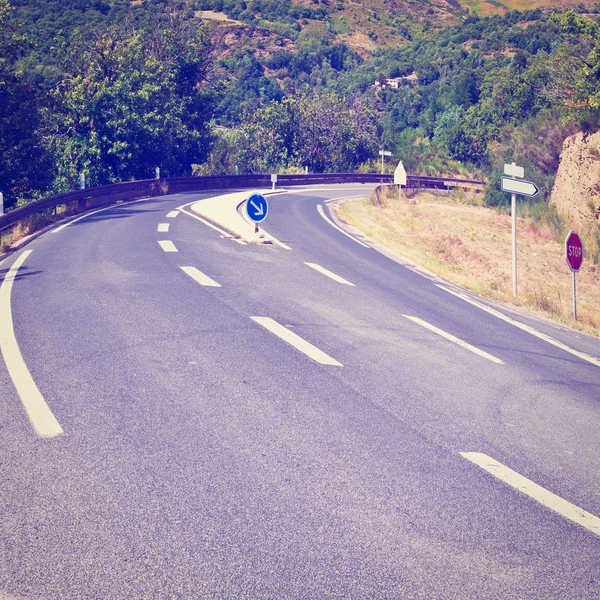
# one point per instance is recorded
(134, 101)
(25, 166)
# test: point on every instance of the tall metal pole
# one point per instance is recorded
(574, 297)
(513, 209)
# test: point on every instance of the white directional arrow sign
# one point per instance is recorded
(517, 186)
(258, 210)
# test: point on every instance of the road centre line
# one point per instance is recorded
(329, 274)
(535, 491)
(296, 341)
(208, 223)
(172, 214)
(527, 328)
(163, 227)
(322, 213)
(456, 340)
(167, 246)
(200, 277)
(39, 413)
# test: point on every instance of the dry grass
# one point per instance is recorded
(470, 246)
(25, 227)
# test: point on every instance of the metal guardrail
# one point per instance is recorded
(82, 200)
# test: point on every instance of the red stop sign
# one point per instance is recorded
(574, 251)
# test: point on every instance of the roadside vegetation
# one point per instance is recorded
(458, 238)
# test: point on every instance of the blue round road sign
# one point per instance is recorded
(256, 208)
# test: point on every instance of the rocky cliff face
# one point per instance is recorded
(576, 191)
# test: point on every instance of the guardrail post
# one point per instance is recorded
(1, 203)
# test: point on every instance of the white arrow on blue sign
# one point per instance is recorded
(517, 186)
(256, 208)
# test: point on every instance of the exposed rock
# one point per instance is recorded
(576, 191)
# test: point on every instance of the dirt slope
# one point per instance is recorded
(576, 191)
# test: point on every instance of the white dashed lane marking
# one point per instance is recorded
(200, 277)
(296, 341)
(329, 274)
(163, 227)
(167, 246)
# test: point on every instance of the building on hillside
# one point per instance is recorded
(395, 82)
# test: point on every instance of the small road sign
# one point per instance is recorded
(256, 208)
(514, 171)
(516, 186)
(400, 175)
(574, 251)
(385, 153)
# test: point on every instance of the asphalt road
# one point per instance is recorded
(202, 456)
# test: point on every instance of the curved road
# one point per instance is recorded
(248, 421)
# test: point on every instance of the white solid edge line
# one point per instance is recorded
(296, 341)
(95, 212)
(208, 223)
(172, 214)
(304, 190)
(535, 491)
(527, 328)
(200, 277)
(451, 338)
(322, 213)
(163, 227)
(343, 198)
(40, 415)
(167, 246)
(329, 274)
(276, 241)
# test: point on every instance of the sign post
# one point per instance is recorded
(383, 153)
(574, 257)
(257, 209)
(524, 188)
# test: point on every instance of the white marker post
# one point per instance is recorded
(516, 186)
(273, 180)
(383, 153)
(157, 172)
(1, 203)
(82, 181)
